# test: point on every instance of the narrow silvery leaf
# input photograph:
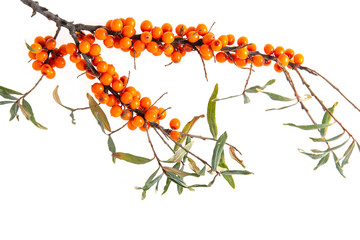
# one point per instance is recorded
(131, 158)
(211, 109)
(326, 119)
(254, 88)
(98, 112)
(179, 154)
(322, 161)
(13, 111)
(309, 127)
(217, 152)
(337, 164)
(347, 154)
(322, 139)
(9, 91)
(236, 172)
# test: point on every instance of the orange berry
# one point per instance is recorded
(251, 47)
(50, 44)
(145, 103)
(201, 29)
(60, 62)
(298, 59)
(131, 90)
(175, 135)
(126, 97)
(176, 57)
(36, 65)
(242, 53)
(242, 41)
(224, 40)
(279, 50)
(207, 56)
(103, 98)
(90, 38)
(81, 65)
(231, 39)
(42, 56)
(221, 57)
(269, 49)
(71, 48)
(40, 40)
(101, 34)
(161, 114)
(96, 60)
(111, 101)
(109, 42)
(62, 50)
(95, 50)
(97, 88)
(240, 62)
(75, 58)
(102, 67)
(216, 45)
(111, 69)
(36, 47)
(267, 62)
(84, 46)
(157, 32)
(166, 27)
(128, 31)
(159, 51)
(284, 59)
(146, 37)
(117, 85)
(135, 103)
(193, 36)
(146, 26)
(290, 53)
(126, 114)
(168, 49)
(32, 55)
(125, 42)
(204, 49)
(129, 22)
(139, 46)
(106, 79)
(108, 24)
(168, 37)
(138, 121)
(277, 68)
(152, 47)
(116, 111)
(124, 80)
(150, 116)
(46, 69)
(258, 60)
(208, 38)
(181, 29)
(90, 75)
(137, 95)
(174, 124)
(131, 126)
(51, 74)
(116, 25)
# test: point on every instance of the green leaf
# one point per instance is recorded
(26, 109)
(312, 155)
(211, 113)
(217, 152)
(254, 89)
(337, 164)
(173, 177)
(336, 147)
(9, 91)
(326, 119)
(246, 99)
(347, 154)
(178, 172)
(5, 102)
(322, 161)
(281, 108)
(322, 139)
(228, 178)
(7, 95)
(187, 129)
(309, 127)
(202, 171)
(13, 111)
(98, 113)
(166, 187)
(236, 172)
(111, 145)
(276, 97)
(131, 158)
(193, 166)
(179, 154)
(149, 182)
(30, 48)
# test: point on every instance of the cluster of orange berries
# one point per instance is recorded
(46, 56)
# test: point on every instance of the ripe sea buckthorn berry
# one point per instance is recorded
(84, 46)
(62, 50)
(201, 29)
(242, 53)
(126, 114)
(90, 75)
(108, 24)
(106, 79)
(231, 39)
(36, 65)
(130, 125)
(116, 25)
(258, 60)
(168, 49)
(150, 116)
(207, 56)
(269, 49)
(240, 62)
(47, 37)
(190, 29)
(112, 101)
(90, 38)
(117, 85)
(51, 75)
(277, 68)
(40, 40)
(161, 113)
(81, 65)
(252, 47)
(75, 58)
(117, 42)
(146, 37)
(216, 45)
(36, 47)
(125, 42)
(101, 34)
(131, 90)
(102, 67)
(42, 56)
(32, 55)
(71, 48)
(103, 98)
(159, 51)
(52, 61)
(204, 49)
(50, 44)
(128, 31)
(152, 47)
(124, 80)
(145, 103)
(175, 135)
(111, 69)
(129, 22)
(60, 62)
(267, 62)
(135, 103)
(154, 108)
(224, 40)
(97, 88)
(174, 124)
(109, 42)
(193, 36)
(166, 27)
(181, 29)
(279, 50)
(208, 38)
(298, 59)
(284, 59)
(116, 111)
(146, 26)
(168, 37)
(46, 69)
(221, 57)
(242, 41)
(137, 96)
(176, 57)
(290, 53)
(138, 121)
(80, 36)
(139, 46)
(157, 32)
(126, 97)
(95, 50)
(96, 60)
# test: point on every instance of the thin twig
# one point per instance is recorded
(158, 99)
(109, 134)
(28, 92)
(248, 79)
(165, 142)
(203, 62)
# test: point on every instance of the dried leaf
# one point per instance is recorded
(98, 112)
(193, 166)
(178, 172)
(187, 129)
(235, 157)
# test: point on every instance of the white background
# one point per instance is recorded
(61, 183)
